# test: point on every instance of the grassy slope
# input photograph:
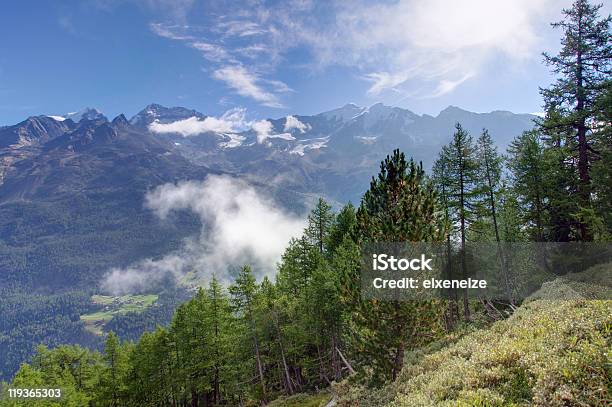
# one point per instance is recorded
(555, 350)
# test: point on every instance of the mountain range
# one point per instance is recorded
(72, 186)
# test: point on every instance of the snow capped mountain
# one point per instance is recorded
(88, 113)
(332, 153)
(33, 131)
(161, 114)
(350, 129)
(344, 113)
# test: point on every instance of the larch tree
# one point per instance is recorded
(320, 221)
(489, 164)
(113, 377)
(461, 174)
(244, 293)
(583, 67)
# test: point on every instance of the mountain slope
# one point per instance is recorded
(73, 207)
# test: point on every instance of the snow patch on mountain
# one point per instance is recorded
(366, 139)
(235, 140)
(282, 136)
(88, 113)
(345, 113)
(312, 144)
(57, 118)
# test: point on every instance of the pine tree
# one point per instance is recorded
(399, 206)
(489, 167)
(511, 226)
(346, 264)
(297, 265)
(561, 185)
(583, 66)
(150, 377)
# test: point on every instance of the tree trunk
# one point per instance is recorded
(453, 307)
(258, 356)
(322, 375)
(346, 362)
(500, 251)
(583, 157)
(334, 356)
(289, 384)
(466, 304)
(583, 168)
(194, 399)
(398, 363)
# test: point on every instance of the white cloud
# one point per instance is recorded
(237, 28)
(234, 140)
(232, 121)
(446, 86)
(170, 32)
(247, 84)
(241, 225)
(437, 43)
(312, 144)
(264, 130)
(212, 52)
(384, 80)
(292, 122)
(426, 48)
(412, 47)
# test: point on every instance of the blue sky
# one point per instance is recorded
(272, 58)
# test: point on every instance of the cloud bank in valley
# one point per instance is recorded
(240, 225)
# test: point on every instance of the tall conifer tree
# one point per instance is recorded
(399, 206)
(583, 67)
